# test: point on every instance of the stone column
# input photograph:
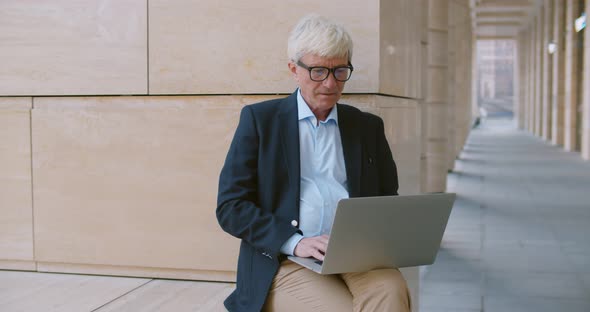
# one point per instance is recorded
(529, 78)
(533, 72)
(557, 99)
(571, 76)
(539, 71)
(526, 80)
(585, 144)
(547, 69)
(474, 104)
(460, 51)
(520, 107)
(516, 72)
(452, 105)
(425, 47)
(520, 99)
(436, 129)
(464, 78)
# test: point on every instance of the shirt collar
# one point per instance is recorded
(303, 110)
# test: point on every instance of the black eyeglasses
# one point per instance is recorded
(320, 73)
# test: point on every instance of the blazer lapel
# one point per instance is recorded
(351, 148)
(289, 131)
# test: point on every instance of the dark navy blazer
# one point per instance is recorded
(259, 185)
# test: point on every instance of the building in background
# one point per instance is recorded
(495, 79)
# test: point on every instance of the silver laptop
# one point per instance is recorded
(384, 232)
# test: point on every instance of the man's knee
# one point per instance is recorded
(390, 278)
(379, 290)
(387, 282)
(394, 287)
(298, 289)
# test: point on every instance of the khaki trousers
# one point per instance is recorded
(296, 288)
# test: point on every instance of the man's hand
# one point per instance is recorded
(312, 247)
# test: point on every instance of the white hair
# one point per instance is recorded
(317, 35)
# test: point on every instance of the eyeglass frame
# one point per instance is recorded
(330, 70)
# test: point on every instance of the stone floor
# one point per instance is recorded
(45, 292)
(518, 240)
(519, 235)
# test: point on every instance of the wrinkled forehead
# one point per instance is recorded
(311, 59)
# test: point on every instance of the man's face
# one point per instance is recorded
(321, 96)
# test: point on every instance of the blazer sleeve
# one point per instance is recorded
(238, 207)
(388, 172)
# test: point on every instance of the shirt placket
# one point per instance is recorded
(319, 158)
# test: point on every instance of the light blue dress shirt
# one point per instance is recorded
(323, 173)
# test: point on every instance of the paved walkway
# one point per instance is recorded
(519, 235)
(518, 240)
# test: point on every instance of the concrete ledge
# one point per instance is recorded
(18, 265)
(144, 272)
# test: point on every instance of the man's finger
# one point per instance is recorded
(318, 255)
(319, 245)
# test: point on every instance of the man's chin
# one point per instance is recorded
(329, 98)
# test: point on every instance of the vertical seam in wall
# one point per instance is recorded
(32, 181)
(147, 9)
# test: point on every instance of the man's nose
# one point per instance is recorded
(330, 82)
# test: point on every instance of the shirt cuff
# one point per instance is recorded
(289, 246)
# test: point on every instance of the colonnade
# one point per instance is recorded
(554, 73)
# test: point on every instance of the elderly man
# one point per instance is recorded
(290, 162)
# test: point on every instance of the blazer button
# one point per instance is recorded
(294, 223)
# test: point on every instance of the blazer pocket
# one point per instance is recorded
(370, 176)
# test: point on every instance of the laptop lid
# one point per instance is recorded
(384, 232)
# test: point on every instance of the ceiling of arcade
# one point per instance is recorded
(499, 19)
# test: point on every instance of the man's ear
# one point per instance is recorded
(293, 69)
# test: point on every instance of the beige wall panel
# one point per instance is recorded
(399, 71)
(132, 180)
(436, 167)
(73, 47)
(424, 19)
(217, 47)
(437, 121)
(438, 14)
(16, 103)
(16, 211)
(18, 265)
(437, 85)
(439, 55)
(436, 147)
(364, 102)
(402, 128)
